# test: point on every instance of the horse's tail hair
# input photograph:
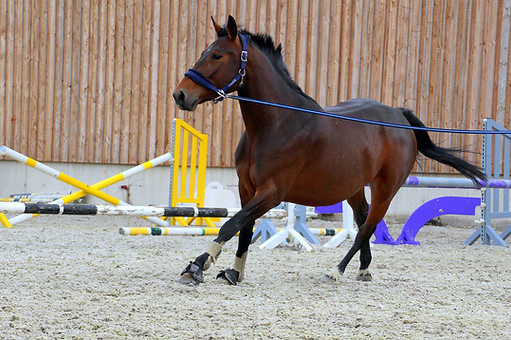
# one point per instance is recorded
(429, 149)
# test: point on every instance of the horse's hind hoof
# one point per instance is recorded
(192, 275)
(332, 277)
(364, 275)
(231, 276)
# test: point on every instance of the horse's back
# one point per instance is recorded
(369, 109)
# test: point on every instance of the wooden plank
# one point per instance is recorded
(488, 61)
(332, 86)
(412, 60)
(281, 22)
(446, 102)
(301, 45)
(91, 136)
(435, 75)
(109, 69)
(135, 85)
(323, 67)
(9, 74)
(311, 67)
(402, 27)
(58, 89)
(16, 122)
(389, 54)
(145, 75)
(153, 84)
(507, 106)
(25, 79)
(76, 58)
(118, 83)
(377, 56)
(128, 70)
(3, 50)
(366, 49)
(50, 81)
(99, 138)
(42, 80)
(161, 88)
(355, 42)
(474, 71)
(84, 83)
(291, 38)
(216, 110)
(200, 23)
(66, 17)
(461, 71)
(172, 73)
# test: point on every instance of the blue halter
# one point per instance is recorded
(199, 78)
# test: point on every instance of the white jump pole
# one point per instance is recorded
(198, 231)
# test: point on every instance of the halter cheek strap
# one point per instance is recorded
(199, 78)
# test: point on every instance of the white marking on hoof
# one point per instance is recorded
(333, 276)
(364, 275)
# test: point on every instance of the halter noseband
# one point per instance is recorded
(199, 78)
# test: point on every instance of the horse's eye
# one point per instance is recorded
(216, 56)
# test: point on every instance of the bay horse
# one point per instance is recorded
(285, 155)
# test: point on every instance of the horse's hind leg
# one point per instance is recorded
(381, 196)
(360, 208)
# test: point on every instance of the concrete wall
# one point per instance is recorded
(152, 187)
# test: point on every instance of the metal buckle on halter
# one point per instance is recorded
(221, 96)
(242, 73)
(244, 55)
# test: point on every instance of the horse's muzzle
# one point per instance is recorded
(184, 101)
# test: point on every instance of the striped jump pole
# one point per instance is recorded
(133, 210)
(85, 189)
(200, 231)
(446, 182)
(92, 209)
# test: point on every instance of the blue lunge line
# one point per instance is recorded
(366, 121)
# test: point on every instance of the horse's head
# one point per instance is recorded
(218, 65)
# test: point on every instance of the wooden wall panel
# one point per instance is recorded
(92, 80)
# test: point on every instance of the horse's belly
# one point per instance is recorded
(325, 188)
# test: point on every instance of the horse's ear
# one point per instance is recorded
(218, 28)
(232, 28)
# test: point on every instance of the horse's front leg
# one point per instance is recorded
(264, 199)
(236, 273)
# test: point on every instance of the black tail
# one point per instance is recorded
(426, 146)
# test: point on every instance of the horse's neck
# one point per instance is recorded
(265, 83)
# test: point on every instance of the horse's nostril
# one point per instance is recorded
(181, 96)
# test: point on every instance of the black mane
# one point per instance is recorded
(266, 45)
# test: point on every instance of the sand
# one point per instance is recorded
(65, 277)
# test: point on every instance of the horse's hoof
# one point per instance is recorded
(364, 275)
(231, 276)
(187, 280)
(332, 277)
(192, 275)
